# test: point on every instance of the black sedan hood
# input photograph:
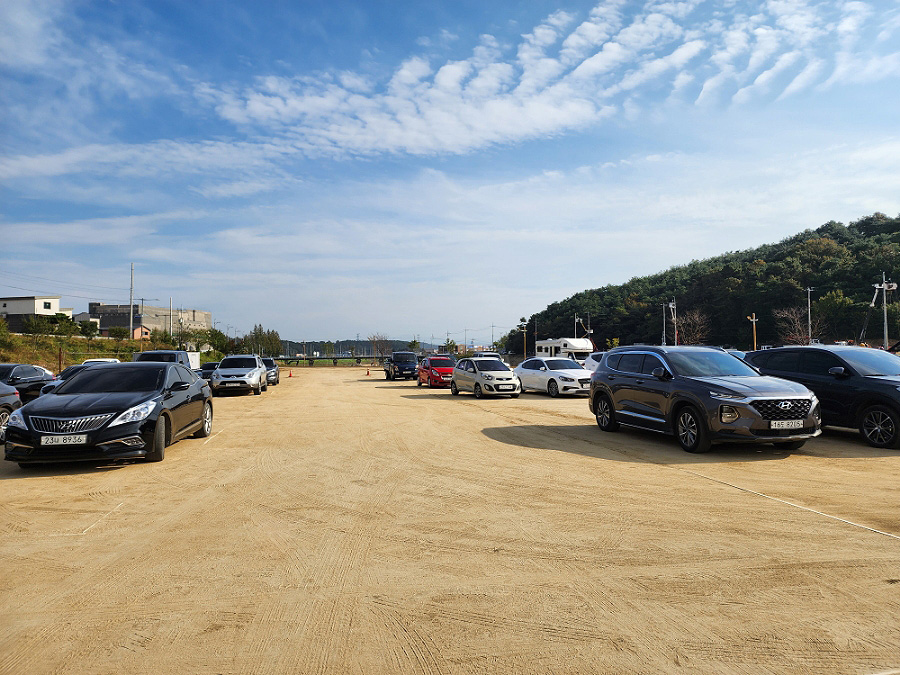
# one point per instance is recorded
(80, 405)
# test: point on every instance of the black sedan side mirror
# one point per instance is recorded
(180, 386)
(837, 371)
(13, 379)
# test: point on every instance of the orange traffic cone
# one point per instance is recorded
(290, 373)
(367, 372)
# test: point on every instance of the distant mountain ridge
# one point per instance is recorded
(840, 261)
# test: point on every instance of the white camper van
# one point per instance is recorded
(566, 348)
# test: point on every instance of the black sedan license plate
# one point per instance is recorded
(69, 439)
(786, 424)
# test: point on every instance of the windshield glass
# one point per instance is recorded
(441, 363)
(238, 362)
(490, 364)
(562, 364)
(212, 365)
(269, 362)
(405, 358)
(113, 380)
(871, 361)
(709, 364)
(149, 356)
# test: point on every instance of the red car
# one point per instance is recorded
(435, 371)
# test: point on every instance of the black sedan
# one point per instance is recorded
(111, 411)
(9, 401)
(26, 378)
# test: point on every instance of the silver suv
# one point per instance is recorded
(701, 395)
(240, 372)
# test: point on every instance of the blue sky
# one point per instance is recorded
(415, 168)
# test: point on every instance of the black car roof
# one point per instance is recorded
(830, 348)
(665, 349)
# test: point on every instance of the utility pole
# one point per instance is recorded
(674, 309)
(170, 316)
(752, 319)
(524, 329)
(664, 324)
(809, 290)
(131, 306)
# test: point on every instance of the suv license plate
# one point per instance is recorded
(786, 424)
(71, 439)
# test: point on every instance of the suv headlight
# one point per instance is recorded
(726, 396)
(135, 414)
(17, 420)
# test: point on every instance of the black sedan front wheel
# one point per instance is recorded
(158, 451)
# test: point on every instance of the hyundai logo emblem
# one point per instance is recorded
(785, 405)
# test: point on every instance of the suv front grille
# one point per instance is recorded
(74, 425)
(783, 409)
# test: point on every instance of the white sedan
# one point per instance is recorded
(555, 376)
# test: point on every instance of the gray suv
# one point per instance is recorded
(240, 372)
(701, 395)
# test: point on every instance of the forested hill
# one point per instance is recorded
(841, 262)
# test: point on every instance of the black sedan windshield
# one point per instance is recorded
(709, 364)
(113, 380)
(238, 362)
(872, 361)
(490, 364)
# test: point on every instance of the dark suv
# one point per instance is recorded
(857, 386)
(702, 395)
(401, 364)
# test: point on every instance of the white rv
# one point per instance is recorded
(566, 348)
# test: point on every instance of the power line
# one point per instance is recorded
(17, 275)
(68, 295)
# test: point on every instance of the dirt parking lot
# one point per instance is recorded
(341, 523)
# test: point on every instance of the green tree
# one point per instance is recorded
(88, 329)
(413, 345)
(118, 333)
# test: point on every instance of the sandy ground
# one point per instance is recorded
(345, 524)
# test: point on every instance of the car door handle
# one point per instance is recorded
(610, 377)
(639, 382)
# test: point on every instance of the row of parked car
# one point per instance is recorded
(706, 395)
(105, 410)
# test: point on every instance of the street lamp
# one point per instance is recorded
(752, 319)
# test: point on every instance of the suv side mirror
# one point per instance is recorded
(659, 373)
(47, 388)
(837, 371)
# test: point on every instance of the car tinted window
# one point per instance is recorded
(212, 365)
(270, 363)
(5, 371)
(631, 363)
(184, 374)
(872, 361)
(651, 362)
(709, 364)
(760, 359)
(405, 358)
(161, 358)
(441, 363)
(238, 362)
(491, 364)
(113, 380)
(818, 363)
(786, 362)
(613, 361)
(562, 364)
